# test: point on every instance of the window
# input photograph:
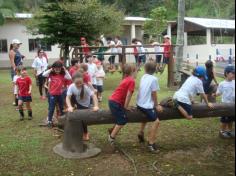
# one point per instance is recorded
(35, 44)
(3, 46)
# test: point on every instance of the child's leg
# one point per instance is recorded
(141, 133)
(52, 105)
(116, 130)
(30, 114)
(224, 127)
(230, 126)
(185, 113)
(153, 132)
(16, 100)
(60, 101)
(21, 111)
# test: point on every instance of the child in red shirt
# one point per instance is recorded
(167, 50)
(120, 99)
(24, 87)
(57, 76)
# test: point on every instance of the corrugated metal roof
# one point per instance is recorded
(135, 19)
(23, 15)
(212, 23)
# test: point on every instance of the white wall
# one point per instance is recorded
(16, 29)
(204, 51)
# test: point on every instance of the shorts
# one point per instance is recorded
(94, 86)
(118, 112)
(136, 58)
(25, 99)
(142, 59)
(166, 60)
(158, 59)
(112, 59)
(227, 119)
(150, 113)
(188, 108)
(64, 93)
(100, 89)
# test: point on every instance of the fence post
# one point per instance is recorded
(123, 56)
(171, 74)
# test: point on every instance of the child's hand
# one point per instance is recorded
(214, 95)
(70, 109)
(129, 109)
(95, 91)
(29, 92)
(210, 105)
(159, 108)
(95, 109)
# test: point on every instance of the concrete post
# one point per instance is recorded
(208, 37)
(133, 31)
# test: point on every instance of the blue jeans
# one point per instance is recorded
(53, 101)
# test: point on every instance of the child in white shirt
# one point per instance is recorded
(100, 79)
(15, 88)
(92, 71)
(147, 103)
(192, 87)
(226, 89)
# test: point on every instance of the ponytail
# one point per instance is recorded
(78, 75)
(11, 46)
(82, 93)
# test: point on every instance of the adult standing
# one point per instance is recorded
(16, 58)
(40, 65)
(114, 52)
(85, 50)
(167, 50)
(119, 45)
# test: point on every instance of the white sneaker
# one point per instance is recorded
(111, 140)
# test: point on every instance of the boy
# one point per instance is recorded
(74, 67)
(15, 89)
(24, 86)
(183, 98)
(119, 101)
(92, 71)
(147, 103)
(100, 79)
(227, 90)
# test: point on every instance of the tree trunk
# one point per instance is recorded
(66, 53)
(105, 117)
(180, 40)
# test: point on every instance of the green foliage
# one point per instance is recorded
(157, 22)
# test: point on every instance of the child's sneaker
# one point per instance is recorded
(50, 124)
(231, 134)
(153, 148)
(141, 138)
(30, 118)
(224, 135)
(111, 140)
(21, 118)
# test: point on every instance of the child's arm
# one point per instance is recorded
(127, 100)
(47, 73)
(30, 88)
(156, 104)
(68, 102)
(95, 101)
(210, 105)
(215, 80)
(67, 75)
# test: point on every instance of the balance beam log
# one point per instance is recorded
(74, 147)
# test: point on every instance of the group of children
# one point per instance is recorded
(83, 85)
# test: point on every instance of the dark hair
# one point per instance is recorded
(74, 62)
(84, 67)
(39, 50)
(210, 69)
(78, 75)
(109, 38)
(134, 40)
(117, 37)
(128, 70)
(20, 68)
(150, 68)
(11, 46)
(58, 64)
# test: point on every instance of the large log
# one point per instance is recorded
(73, 146)
(105, 117)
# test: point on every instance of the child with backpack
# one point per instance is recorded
(193, 86)
(57, 76)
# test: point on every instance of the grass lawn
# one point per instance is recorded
(188, 148)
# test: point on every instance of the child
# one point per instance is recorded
(167, 50)
(74, 67)
(92, 71)
(142, 57)
(114, 51)
(147, 103)
(227, 90)
(24, 87)
(119, 101)
(158, 51)
(184, 96)
(100, 78)
(119, 45)
(135, 50)
(209, 88)
(15, 89)
(83, 95)
(57, 74)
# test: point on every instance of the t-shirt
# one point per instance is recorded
(227, 90)
(85, 49)
(86, 78)
(167, 48)
(140, 48)
(157, 50)
(24, 86)
(148, 84)
(92, 70)
(100, 73)
(192, 86)
(72, 71)
(120, 94)
(15, 86)
(40, 65)
(114, 50)
(119, 49)
(88, 93)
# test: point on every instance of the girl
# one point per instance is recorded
(24, 86)
(100, 79)
(83, 95)
(15, 89)
(210, 88)
(57, 75)
(40, 64)
(193, 86)
(167, 50)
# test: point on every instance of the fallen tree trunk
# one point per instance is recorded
(105, 116)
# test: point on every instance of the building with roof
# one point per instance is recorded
(206, 39)
(15, 28)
